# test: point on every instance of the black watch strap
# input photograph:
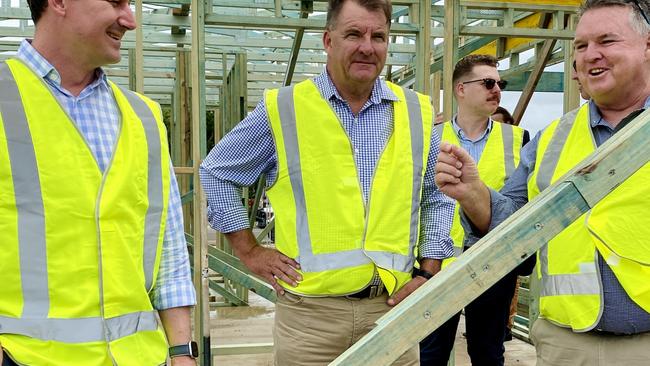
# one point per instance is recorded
(189, 349)
(422, 273)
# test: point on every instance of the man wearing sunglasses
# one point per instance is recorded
(595, 293)
(495, 146)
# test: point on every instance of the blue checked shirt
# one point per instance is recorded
(248, 151)
(97, 117)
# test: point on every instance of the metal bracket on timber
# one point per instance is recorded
(184, 11)
(503, 249)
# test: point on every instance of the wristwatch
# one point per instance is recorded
(190, 349)
(422, 273)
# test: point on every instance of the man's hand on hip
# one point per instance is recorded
(272, 265)
(267, 263)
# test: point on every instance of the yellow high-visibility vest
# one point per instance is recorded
(618, 228)
(498, 161)
(80, 248)
(322, 220)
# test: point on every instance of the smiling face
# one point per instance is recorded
(612, 58)
(94, 29)
(475, 97)
(356, 47)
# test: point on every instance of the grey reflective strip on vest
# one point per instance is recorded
(508, 149)
(80, 330)
(417, 152)
(552, 154)
(585, 283)
(457, 251)
(154, 184)
(29, 199)
(570, 284)
(440, 127)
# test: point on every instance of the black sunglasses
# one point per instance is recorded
(641, 11)
(489, 83)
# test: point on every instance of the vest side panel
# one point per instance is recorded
(491, 165)
(518, 141)
(457, 233)
(571, 252)
(69, 179)
(620, 229)
(280, 193)
(389, 212)
(335, 207)
(123, 205)
(124, 281)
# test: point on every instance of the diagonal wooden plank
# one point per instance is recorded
(535, 75)
(503, 249)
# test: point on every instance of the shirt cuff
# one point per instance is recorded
(436, 249)
(230, 220)
(174, 295)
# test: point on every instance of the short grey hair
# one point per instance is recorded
(638, 15)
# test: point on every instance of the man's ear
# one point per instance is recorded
(327, 40)
(57, 6)
(459, 89)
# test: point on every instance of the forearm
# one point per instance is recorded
(242, 241)
(431, 265)
(176, 322)
(477, 208)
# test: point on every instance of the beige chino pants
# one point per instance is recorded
(557, 346)
(311, 331)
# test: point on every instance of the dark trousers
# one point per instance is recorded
(485, 320)
(6, 361)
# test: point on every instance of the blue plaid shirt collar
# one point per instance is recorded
(461, 135)
(30, 56)
(380, 90)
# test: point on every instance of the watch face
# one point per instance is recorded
(194, 348)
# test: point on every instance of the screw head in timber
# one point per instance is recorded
(612, 172)
(427, 315)
(539, 226)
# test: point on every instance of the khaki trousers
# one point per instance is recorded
(312, 331)
(558, 346)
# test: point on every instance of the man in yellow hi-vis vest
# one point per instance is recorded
(495, 147)
(90, 216)
(348, 159)
(595, 293)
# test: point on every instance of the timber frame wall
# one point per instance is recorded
(197, 55)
